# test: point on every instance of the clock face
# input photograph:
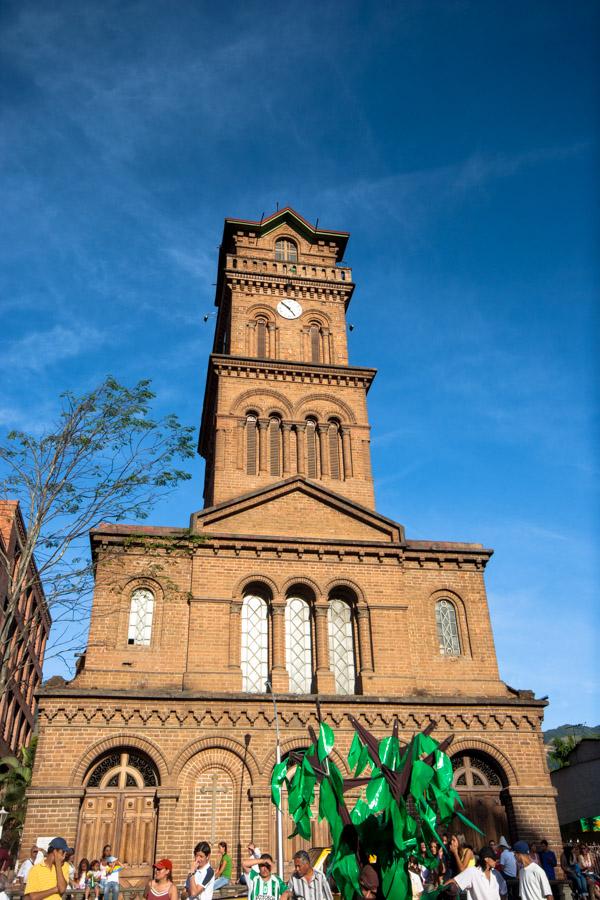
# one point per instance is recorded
(289, 309)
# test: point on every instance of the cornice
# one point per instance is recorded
(285, 369)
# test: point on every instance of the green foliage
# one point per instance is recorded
(560, 750)
(15, 778)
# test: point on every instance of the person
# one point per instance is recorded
(48, 880)
(463, 856)
(94, 879)
(3, 886)
(253, 851)
(264, 883)
(305, 882)
(547, 860)
(533, 853)
(416, 879)
(23, 870)
(570, 867)
(533, 882)
(202, 879)
(111, 878)
(223, 873)
(478, 881)
(494, 847)
(502, 885)
(368, 882)
(80, 880)
(507, 862)
(161, 886)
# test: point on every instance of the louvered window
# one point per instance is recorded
(334, 450)
(255, 645)
(447, 628)
(286, 250)
(251, 445)
(298, 645)
(141, 611)
(261, 338)
(315, 343)
(311, 449)
(341, 646)
(275, 446)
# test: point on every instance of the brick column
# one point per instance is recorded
(263, 425)
(323, 431)
(271, 343)
(533, 814)
(235, 636)
(261, 811)
(287, 462)
(324, 680)
(326, 345)
(346, 452)
(167, 824)
(364, 647)
(279, 676)
(300, 453)
(251, 338)
(44, 804)
(240, 444)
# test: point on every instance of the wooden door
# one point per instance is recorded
(97, 824)
(480, 782)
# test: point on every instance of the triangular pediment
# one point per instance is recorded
(300, 509)
(291, 219)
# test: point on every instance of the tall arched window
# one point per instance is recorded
(341, 646)
(141, 610)
(311, 448)
(255, 644)
(298, 650)
(286, 250)
(447, 628)
(315, 342)
(251, 444)
(261, 338)
(335, 455)
(275, 445)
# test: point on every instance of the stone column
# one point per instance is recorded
(346, 451)
(251, 338)
(279, 675)
(323, 432)
(287, 462)
(271, 340)
(326, 345)
(364, 641)
(324, 679)
(263, 425)
(300, 451)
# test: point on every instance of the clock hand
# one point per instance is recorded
(283, 303)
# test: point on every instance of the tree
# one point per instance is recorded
(560, 749)
(106, 459)
(15, 778)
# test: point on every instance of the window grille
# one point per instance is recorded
(125, 768)
(341, 646)
(447, 628)
(255, 644)
(311, 448)
(334, 450)
(275, 446)
(298, 652)
(251, 445)
(141, 611)
(286, 250)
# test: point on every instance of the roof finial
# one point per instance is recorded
(277, 210)
(317, 224)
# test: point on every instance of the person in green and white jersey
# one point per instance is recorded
(264, 884)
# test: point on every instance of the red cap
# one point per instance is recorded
(163, 864)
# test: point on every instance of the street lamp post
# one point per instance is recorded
(3, 815)
(278, 816)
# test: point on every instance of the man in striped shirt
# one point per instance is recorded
(306, 883)
(264, 885)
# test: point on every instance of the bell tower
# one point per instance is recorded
(281, 399)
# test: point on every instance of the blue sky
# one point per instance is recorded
(456, 141)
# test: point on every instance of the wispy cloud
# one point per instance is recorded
(40, 349)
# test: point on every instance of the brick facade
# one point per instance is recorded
(289, 513)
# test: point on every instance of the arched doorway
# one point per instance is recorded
(480, 781)
(119, 808)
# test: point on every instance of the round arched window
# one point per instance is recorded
(123, 768)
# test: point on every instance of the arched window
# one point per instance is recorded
(311, 448)
(341, 646)
(286, 250)
(123, 768)
(275, 445)
(335, 455)
(261, 338)
(298, 650)
(315, 342)
(251, 444)
(255, 644)
(447, 628)
(141, 610)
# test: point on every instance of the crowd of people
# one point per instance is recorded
(454, 865)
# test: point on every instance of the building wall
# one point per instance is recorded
(578, 784)
(25, 630)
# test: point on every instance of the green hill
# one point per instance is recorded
(579, 731)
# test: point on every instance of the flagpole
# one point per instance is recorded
(278, 815)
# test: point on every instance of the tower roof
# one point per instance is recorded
(294, 220)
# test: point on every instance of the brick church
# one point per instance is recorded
(288, 580)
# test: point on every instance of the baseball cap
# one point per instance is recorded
(163, 864)
(111, 859)
(59, 843)
(521, 847)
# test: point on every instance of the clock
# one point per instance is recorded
(289, 309)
